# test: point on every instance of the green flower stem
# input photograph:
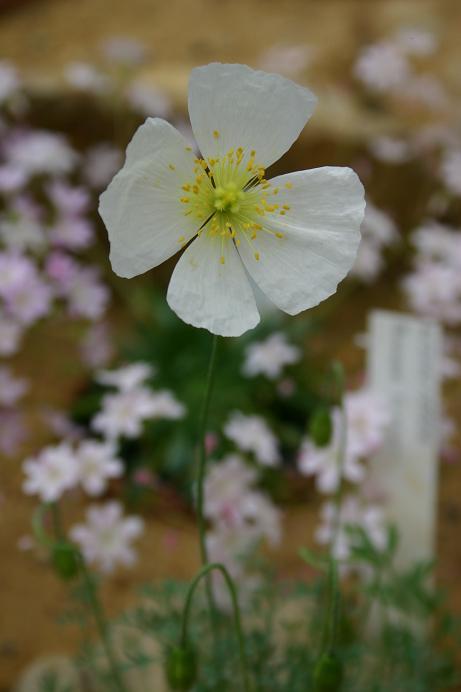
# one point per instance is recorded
(333, 594)
(201, 469)
(102, 625)
(204, 572)
(95, 604)
(202, 451)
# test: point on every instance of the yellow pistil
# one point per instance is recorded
(228, 198)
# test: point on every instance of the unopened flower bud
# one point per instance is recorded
(320, 427)
(328, 673)
(181, 668)
(65, 560)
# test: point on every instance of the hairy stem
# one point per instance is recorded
(102, 625)
(204, 572)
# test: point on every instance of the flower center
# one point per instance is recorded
(231, 199)
(228, 198)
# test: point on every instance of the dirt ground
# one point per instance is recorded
(41, 37)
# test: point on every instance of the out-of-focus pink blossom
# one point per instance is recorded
(101, 162)
(11, 388)
(127, 377)
(97, 347)
(86, 77)
(71, 232)
(252, 434)
(450, 171)
(68, 200)
(382, 67)
(390, 149)
(289, 60)
(124, 50)
(107, 536)
(51, 473)
(269, 357)
(148, 100)
(13, 431)
(37, 152)
(434, 290)
(9, 80)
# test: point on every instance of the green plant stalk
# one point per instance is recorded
(102, 626)
(333, 596)
(204, 572)
(95, 604)
(201, 469)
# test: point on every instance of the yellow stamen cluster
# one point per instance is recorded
(229, 196)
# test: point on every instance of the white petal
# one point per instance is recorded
(321, 236)
(141, 208)
(205, 293)
(248, 108)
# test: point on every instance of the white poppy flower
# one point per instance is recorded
(295, 235)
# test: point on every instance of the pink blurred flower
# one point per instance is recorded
(38, 151)
(68, 200)
(107, 536)
(252, 434)
(101, 162)
(382, 67)
(13, 431)
(97, 348)
(11, 388)
(51, 473)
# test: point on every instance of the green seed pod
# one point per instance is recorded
(64, 558)
(320, 427)
(328, 673)
(181, 668)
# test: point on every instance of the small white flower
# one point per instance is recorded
(269, 357)
(324, 462)
(101, 162)
(390, 149)
(148, 100)
(86, 77)
(9, 80)
(289, 60)
(97, 463)
(251, 434)
(225, 485)
(51, 473)
(10, 335)
(11, 388)
(106, 537)
(127, 377)
(434, 290)
(165, 405)
(436, 241)
(382, 67)
(296, 235)
(353, 513)
(367, 419)
(378, 225)
(40, 151)
(124, 50)
(123, 413)
(450, 171)
(369, 261)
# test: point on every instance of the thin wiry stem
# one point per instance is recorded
(201, 469)
(204, 572)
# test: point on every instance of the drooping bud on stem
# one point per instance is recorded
(320, 427)
(65, 560)
(328, 673)
(181, 668)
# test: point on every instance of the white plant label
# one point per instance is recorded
(404, 363)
